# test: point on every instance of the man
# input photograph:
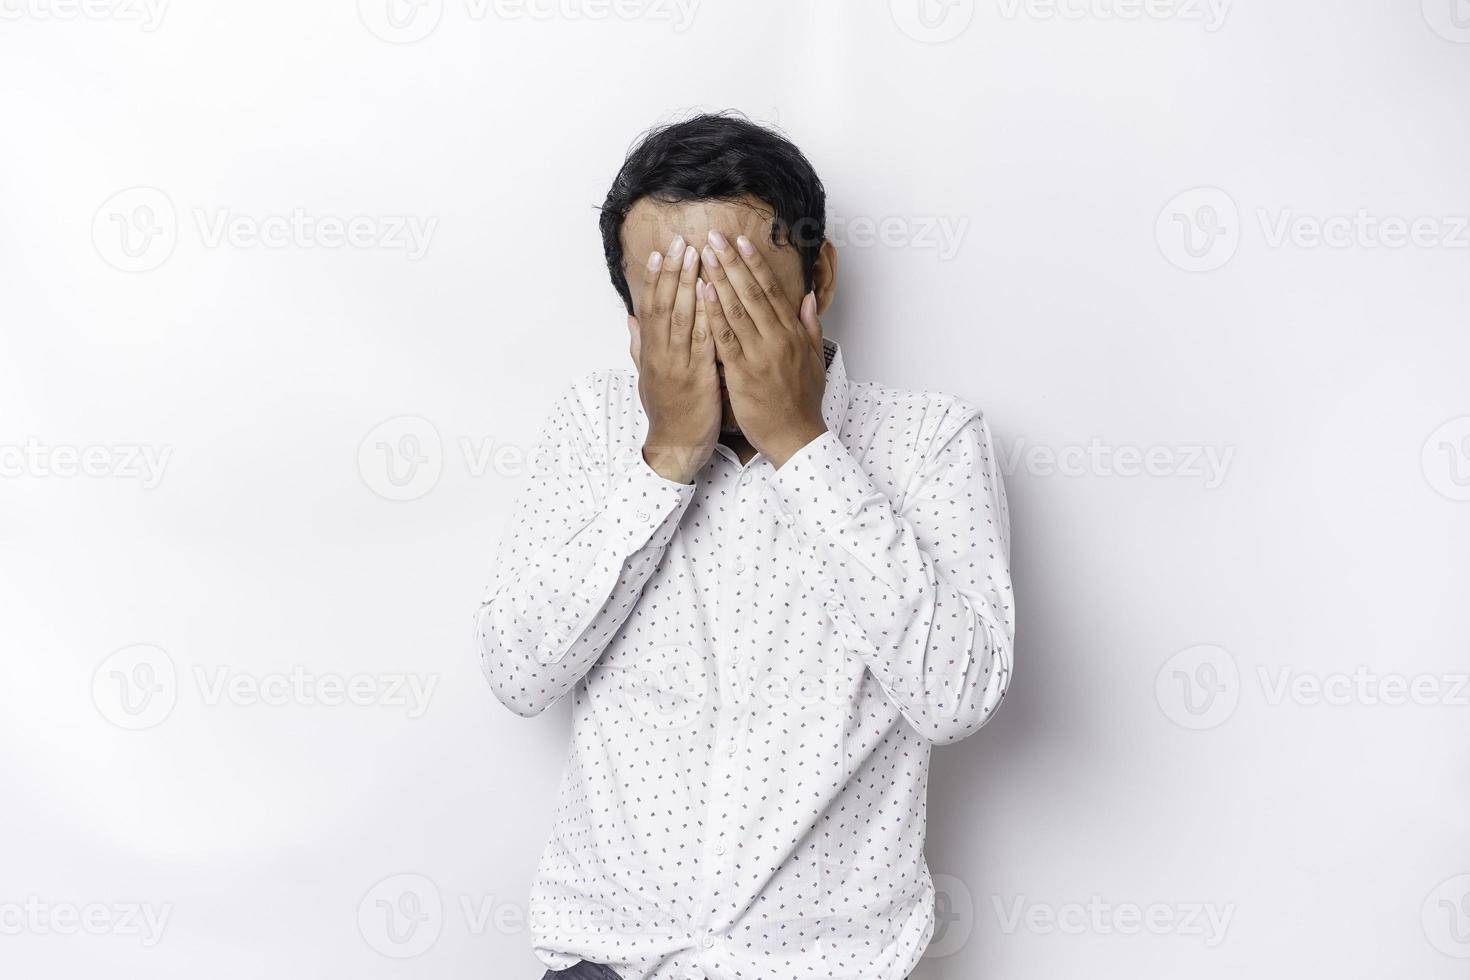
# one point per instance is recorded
(768, 589)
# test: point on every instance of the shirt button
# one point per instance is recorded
(739, 566)
(719, 848)
(731, 747)
(642, 515)
(709, 942)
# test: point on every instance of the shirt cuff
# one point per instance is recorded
(644, 508)
(821, 488)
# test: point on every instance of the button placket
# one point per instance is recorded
(724, 762)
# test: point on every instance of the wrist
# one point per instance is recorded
(677, 464)
(788, 444)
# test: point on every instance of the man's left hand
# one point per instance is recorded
(772, 353)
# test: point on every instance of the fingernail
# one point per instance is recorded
(676, 248)
(690, 254)
(654, 261)
(809, 306)
(746, 248)
(718, 240)
(699, 286)
(711, 295)
(710, 258)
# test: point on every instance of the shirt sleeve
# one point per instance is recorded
(587, 533)
(922, 594)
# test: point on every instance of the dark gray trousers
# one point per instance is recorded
(582, 971)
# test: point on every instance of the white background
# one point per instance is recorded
(1148, 762)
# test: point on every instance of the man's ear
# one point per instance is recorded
(826, 276)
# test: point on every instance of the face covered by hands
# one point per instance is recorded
(750, 309)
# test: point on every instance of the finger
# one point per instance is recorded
(634, 346)
(681, 321)
(770, 286)
(724, 335)
(651, 269)
(733, 316)
(701, 347)
(752, 294)
(656, 305)
(811, 326)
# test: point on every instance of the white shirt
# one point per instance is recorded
(758, 665)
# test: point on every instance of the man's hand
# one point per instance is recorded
(772, 353)
(677, 380)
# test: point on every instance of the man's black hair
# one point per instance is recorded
(719, 156)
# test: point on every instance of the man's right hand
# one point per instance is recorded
(675, 357)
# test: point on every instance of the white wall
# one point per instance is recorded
(1327, 544)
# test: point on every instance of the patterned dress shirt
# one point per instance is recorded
(758, 665)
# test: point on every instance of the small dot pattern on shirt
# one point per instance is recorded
(759, 664)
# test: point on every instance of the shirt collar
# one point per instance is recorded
(834, 399)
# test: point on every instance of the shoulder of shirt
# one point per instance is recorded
(596, 385)
(935, 416)
(595, 400)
